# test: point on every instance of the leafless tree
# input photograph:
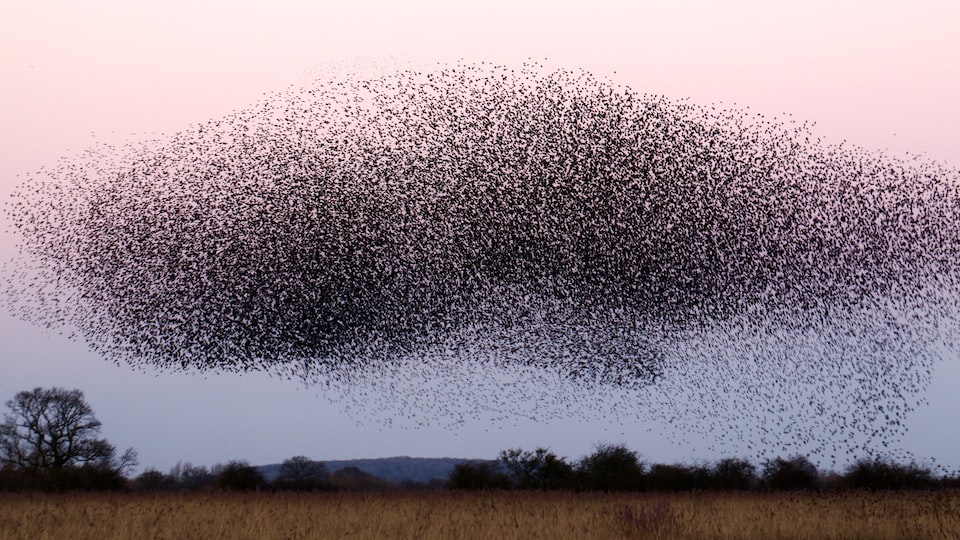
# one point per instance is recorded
(51, 429)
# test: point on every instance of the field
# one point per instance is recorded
(480, 515)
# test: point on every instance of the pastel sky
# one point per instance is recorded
(880, 74)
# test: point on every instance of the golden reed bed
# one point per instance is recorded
(480, 515)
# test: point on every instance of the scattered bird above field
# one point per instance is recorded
(718, 268)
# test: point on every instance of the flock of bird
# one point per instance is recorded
(487, 241)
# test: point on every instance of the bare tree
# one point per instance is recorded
(539, 469)
(49, 430)
(302, 473)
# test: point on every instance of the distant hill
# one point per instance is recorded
(395, 469)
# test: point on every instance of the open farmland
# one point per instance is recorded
(481, 515)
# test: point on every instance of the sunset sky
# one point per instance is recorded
(878, 74)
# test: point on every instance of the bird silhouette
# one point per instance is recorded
(490, 243)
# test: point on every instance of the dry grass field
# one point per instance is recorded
(480, 515)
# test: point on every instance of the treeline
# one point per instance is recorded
(49, 441)
(617, 468)
(609, 468)
(86, 477)
(298, 473)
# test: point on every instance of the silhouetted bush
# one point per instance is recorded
(154, 480)
(611, 468)
(239, 476)
(677, 478)
(734, 474)
(796, 473)
(539, 469)
(478, 475)
(354, 479)
(950, 482)
(880, 474)
(188, 477)
(11, 478)
(88, 478)
(82, 478)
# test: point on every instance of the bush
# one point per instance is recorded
(239, 476)
(734, 474)
(154, 480)
(611, 468)
(11, 478)
(354, 479)
(73, 478)
(796, 473)
(87, 478)
(478, 475)
(187, 477)
(540, 469)
(677, 478)
(880, 474)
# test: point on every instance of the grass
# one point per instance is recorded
(451, 515)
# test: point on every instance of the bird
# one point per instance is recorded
(545, 242)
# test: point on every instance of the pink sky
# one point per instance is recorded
(881, 74)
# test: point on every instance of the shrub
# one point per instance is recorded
(154, 480)
(540, 469)
(478, 475)
(677, 478)
(796, 473)
(879, 473)
(188, 477)
(611, 468)
(354, 479)
(239, 476)
(734, 474)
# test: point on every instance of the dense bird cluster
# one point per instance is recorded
(724, 272)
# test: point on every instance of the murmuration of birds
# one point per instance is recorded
(482, 241)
